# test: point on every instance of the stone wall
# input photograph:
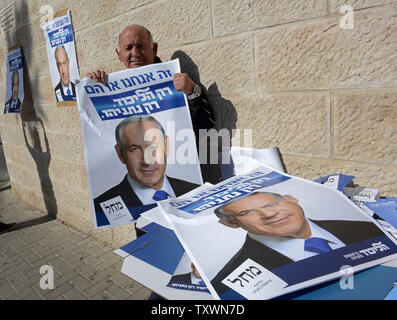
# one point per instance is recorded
(325, 96)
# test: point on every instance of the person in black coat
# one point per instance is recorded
(136, 49)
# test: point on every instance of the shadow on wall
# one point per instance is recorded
(225, 119)
(31, 124)
(225, 112)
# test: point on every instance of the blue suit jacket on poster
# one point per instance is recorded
(9, 109)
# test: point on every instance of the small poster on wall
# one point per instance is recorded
(62, 58)
(14, 84)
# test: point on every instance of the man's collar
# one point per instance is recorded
(145, 194)
(65, 87)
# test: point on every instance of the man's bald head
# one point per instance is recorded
(136, 47)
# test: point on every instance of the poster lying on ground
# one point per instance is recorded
(14, 83)
(264, 234)
(138, 141)
(62, 58)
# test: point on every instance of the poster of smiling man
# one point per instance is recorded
(266, 233)
(14, 84)
(62, 58)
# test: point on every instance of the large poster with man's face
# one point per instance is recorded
(264, 234)
(62, 58)
(14, 83)
(139, 142)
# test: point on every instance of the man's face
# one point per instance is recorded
(15, 86)
(63, 66)
(144, 153)
(266, 215)
(135, 49)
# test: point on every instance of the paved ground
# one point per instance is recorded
(83, 267)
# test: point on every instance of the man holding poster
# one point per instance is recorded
(136, 49)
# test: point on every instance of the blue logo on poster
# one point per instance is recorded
(61, 36)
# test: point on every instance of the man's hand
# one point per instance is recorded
(182, 82)
(98, 75)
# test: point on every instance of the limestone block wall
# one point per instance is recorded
(325, 96)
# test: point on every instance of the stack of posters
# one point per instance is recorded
(266, 234)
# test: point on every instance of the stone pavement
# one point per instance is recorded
(83, 267)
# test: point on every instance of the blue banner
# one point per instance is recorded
(61, 36)
(148, 100)
(247, 187)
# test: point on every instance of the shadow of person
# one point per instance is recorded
(23, 37)
(42, 158)
(214, 145)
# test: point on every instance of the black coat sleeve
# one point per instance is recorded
(202, 113)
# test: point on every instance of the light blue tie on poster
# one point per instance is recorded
(160, 195)
(317, 245)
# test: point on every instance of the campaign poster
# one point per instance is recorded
(264, 234)
(62, 58)
(14, 83)
(138, 140)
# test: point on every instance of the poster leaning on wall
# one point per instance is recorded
(139, 142)
(62, 59)
(14, 83)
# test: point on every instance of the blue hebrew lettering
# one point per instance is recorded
(96, 86)
(142, 78)
(126, 82)
(112, 85)
(89, 89)
(149, 76)
(133, 78)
